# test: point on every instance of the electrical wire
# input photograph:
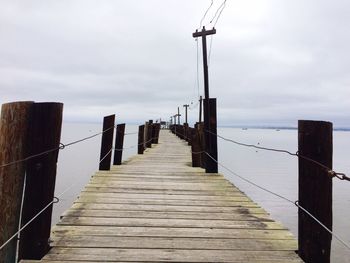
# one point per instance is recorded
(206, 12)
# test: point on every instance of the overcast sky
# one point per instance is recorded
(272, 61)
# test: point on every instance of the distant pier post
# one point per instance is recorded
(141, 141)
(107, 143)
(119, 143)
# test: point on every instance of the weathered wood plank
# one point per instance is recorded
(69, 230)
(238, 196)
(165, 208)
(200, 187)
(174, 243)
(146, 222)
(107, 189)
(164, 202)
(260, 215)
(169, 255)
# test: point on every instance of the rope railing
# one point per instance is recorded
(61, 147)
(336, 236)
(55, 200)
(296, 203)
(332, 173)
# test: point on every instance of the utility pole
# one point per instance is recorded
(178, 115)
(200, 108)
(186, 106)
(204, 33)
(209, 128)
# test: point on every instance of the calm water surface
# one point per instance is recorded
(274, 171)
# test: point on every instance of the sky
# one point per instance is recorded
(272, 62)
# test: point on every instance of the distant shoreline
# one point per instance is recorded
(274, 127)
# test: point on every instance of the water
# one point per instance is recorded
(275, 171)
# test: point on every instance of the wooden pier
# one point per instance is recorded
(157, 208)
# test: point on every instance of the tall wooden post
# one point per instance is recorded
(207, 109)
(141, 141)
(13, 141)
(44, 133)
(178, 115)
(107, 143)
(186, 106)
(315, 190)
(200, 109)
(119, 142)
(211, 140)
(156, 131)
(196, 147)
(149, 134)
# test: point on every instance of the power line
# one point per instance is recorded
(222, 7)
(206, 12)
(218, 11)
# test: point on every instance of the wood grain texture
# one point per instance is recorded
(156, 208)
(14, 126)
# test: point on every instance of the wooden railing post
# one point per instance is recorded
(119, 142)
(315, 190)
(189, 135)
(44, 134)
(149, 134)
(156, 131)
(211, 165)
(141, 141)
(201, 136)
(185, 128)
(196, 147)
(107, 143)
(13, 142)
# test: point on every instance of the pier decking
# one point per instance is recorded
(157, 208)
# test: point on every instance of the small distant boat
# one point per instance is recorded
(244, 129)
(277, 129)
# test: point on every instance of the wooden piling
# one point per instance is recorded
(211, 165)
(107, 142)
(119, 142)
(44, 134)
(201, 136)
(141, 142)
(156, 131)
(149, 134)
(315, 190)
(13, 141)
(196, 148)
(190, 132)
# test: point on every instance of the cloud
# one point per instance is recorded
(271, 61)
